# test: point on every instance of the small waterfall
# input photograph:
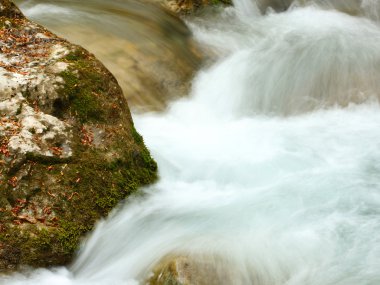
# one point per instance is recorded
(367, 8)
(297, 61)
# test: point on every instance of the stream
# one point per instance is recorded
(269, 168)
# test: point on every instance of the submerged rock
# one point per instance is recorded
(68, 149)
(193, 270)
(190, 6)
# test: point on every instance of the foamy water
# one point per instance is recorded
(272, 164)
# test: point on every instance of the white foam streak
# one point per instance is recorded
(297, 61)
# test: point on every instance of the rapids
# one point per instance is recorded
(271, 165)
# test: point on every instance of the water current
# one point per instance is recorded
(269, 168)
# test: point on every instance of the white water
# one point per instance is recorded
(291, 199)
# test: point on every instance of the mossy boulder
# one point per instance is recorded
(69, 152)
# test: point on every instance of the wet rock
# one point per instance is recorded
(68, 149)
(192, 270)
(353, 7)
(277, 5)
(184, 7)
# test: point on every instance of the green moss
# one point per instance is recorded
(111, 181)
(136, 136)
(76, 55)
(221, 2)
(46, 246)
(83, 89)
(144, 155)
(81, 97)
(69, 235)
(86, 107)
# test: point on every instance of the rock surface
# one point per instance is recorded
(68, 149)
(193, 270)
(184, 7)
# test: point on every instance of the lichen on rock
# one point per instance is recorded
(69, 152)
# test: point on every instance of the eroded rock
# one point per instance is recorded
(202, 269)
(184, 7)
(68, 149)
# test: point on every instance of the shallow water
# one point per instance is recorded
(150, 52)
(271, 166)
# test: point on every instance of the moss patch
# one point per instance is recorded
(82, 89)
(221, 2)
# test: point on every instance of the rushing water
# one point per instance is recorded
(271, 166)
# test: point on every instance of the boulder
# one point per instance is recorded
(184, 7)
(198, 269)
(69, 152)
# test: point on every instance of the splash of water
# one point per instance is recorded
(278, 199)
(367, 8)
